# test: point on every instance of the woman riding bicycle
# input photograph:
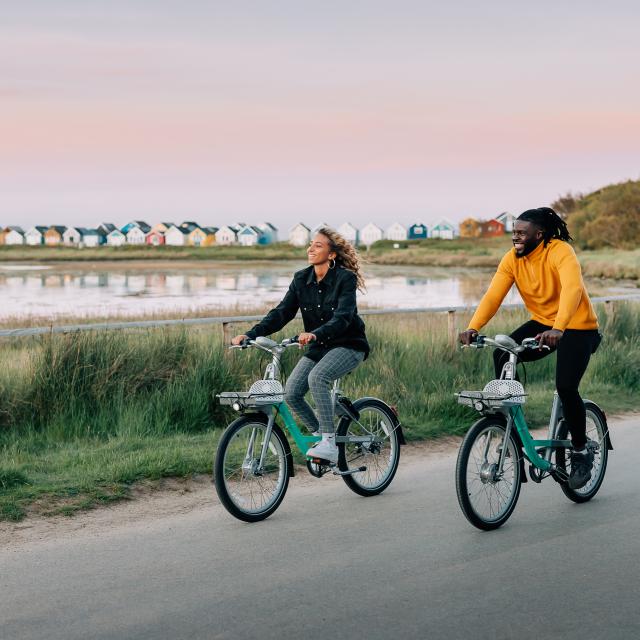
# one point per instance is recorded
(325, 294)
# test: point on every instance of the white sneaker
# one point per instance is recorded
(326, 449)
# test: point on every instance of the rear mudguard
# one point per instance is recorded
(348, 416)
(264, 418)
(592, 406)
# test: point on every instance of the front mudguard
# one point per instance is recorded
(263, 417)
(516, 436)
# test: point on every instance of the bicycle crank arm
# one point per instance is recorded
(349, 472)
(560, 473)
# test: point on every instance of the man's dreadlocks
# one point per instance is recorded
(550, 223)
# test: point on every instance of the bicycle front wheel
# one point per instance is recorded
(597, 440)
(375, 454)
(248, 491)
(487, 496)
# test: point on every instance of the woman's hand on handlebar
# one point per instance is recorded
(468, 336)
(549, 338)
(238, 340)
(305, 338)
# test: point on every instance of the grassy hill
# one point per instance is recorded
(606, 218)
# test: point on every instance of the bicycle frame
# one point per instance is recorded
(302, 441)
(529, 444)
(515, 416)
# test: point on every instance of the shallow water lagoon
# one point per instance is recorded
(134, 289)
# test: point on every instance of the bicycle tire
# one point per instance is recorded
(234, 436)
(365, 483)
(465, 487)
(596, 416)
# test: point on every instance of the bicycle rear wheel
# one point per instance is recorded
(487, 498)
(597, 441)
(379, 458)
(246, 491)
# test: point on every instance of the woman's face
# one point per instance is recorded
(319, 251)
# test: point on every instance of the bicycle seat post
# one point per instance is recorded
(554, 421)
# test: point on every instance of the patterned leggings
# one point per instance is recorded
(317, 376)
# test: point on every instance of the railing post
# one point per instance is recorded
(226, 333)
(451, 328)
(610, 310)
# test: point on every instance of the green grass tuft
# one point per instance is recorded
(10, 478)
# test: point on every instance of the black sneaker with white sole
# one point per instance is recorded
(581, 465)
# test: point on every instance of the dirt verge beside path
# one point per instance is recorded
(152, 501)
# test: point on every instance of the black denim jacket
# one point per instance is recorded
(328, 310)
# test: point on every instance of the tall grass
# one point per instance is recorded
(102, 384)
(84, 415)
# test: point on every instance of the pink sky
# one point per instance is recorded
(394, 112)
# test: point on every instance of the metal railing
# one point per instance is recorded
(227, 322)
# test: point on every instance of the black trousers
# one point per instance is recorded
(574, 351)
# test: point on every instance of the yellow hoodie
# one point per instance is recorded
(549, 280)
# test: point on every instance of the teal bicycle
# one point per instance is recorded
(491, 460)
(254, 461)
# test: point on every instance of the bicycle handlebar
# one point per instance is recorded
(502, 342)
(286, 342)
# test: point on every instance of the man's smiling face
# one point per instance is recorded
(526, 236)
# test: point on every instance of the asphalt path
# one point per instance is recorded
(329, 563)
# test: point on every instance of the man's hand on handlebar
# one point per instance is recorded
(305, 338)
(549, 338)
(238, 340)
(468, 336)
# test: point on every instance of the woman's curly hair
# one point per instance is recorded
(346, 254)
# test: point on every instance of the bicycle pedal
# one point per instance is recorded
(322, 462)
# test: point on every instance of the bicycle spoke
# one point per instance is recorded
(490, 497)
(376, 456)
(253, 491)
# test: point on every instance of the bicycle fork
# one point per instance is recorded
(250, 465)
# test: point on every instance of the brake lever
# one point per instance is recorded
(536, 347)
(245, 344)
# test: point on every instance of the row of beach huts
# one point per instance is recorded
(193, 234)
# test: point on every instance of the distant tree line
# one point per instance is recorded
(608, 217)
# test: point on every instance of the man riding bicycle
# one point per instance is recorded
(547, 273)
